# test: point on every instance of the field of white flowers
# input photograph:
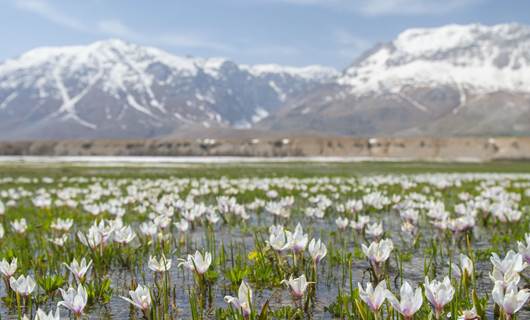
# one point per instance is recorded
(264, 246)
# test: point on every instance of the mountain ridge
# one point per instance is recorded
(446, 81)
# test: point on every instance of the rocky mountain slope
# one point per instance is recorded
(453, 80)
(115, 89)
(456, 80)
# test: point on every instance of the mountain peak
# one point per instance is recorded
(475, 57)
(429, 40)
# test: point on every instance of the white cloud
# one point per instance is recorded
(48, 12)
(387, 7)
(412, 7)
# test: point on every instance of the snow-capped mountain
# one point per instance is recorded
(452, 80)
(473, 57)
(114, 89)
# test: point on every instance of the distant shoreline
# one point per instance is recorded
(271, 149)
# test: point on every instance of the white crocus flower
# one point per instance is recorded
(140, 298)
(161, 265)
(62, 224)
(74, 300)
(297, 240)
(342, 223)
(378, 252)
(59, 241)
(410, 303)
(465, 267)
(92, 239)
(297, 286)
(19, 226)
(317, 250)
(511, 262)
(198, 262)
(79, 270)
(124, 235)
(374, 230)
(524, 248)
(470, 314)
(149, 229)
(41, 315)
(8, 269)
(243, 301)
(374, 298)
(23, 285)
(277, 238)
(439, 294)
(504, 278)
(511, 299)
(183, 225)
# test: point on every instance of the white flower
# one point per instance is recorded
(74, 300)
(8, 269)
(59, 241)
(505, 278)
(161, 265)
(124, 235)
(2, 231)
(41, 315)
(243, 301)
(297, 241)
(465, 267)
(297, 286)
(79, 270)
(374, 230)
(97, 235)
(19, 226)
(439, 294)
(341, 222)
(277, 238)
(373, 298)
(510, 300)
(140, 298)
(62, 224)
(469, 314)
(198, 262)
(23, 285)
(213, 217)
(317, 250)
(524, 248)
(182, 226)
(378, 252)
(360, 223)
(410, 303)
(148, 228)
(511, 262)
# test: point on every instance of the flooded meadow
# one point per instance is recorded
(264, 243)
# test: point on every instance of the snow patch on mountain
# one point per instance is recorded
(310, 72)
(473, 58)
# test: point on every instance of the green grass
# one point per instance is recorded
(293, 169)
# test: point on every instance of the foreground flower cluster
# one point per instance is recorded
(379, 247)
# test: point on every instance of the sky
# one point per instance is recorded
(290, 32)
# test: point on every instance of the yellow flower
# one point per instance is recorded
(252, 255)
